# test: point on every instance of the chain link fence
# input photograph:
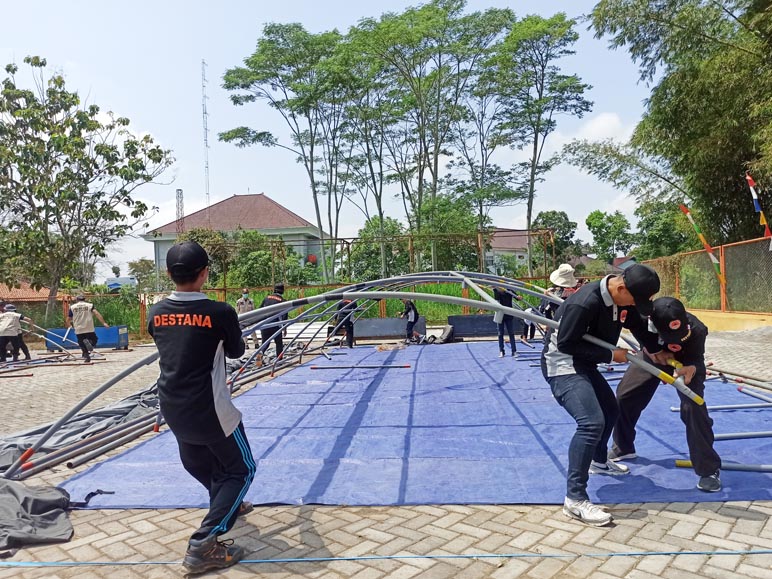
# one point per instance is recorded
(747, 268)
(749, 276)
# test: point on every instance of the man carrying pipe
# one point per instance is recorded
(569, 364)
(681, 338)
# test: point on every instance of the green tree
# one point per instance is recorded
(610, 234)
(454, 228)
(219, 248)
(144, 270)
(662, 230)
(67, 176)
(116, 271)
(286, 72)
(563, 231)
(430, 52)
(535, 92)
(709, 116)
(373, 238)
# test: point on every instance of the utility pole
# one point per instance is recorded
(206, 139)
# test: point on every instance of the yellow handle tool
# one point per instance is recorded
(679, 383)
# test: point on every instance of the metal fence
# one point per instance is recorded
(747, 269)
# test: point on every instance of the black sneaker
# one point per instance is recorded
(710, 484)
(211, 554)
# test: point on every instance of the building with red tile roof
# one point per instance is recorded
(23, 293)
(255, 212)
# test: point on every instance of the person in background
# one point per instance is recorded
(276, 297)
(411, 314)
(563, 285)
(346, 309)
(81, 316)
(507, 322)
(570, 366)
(10, 333)
(529, 327)
(194, 335)
(243, 305)
(681, 337)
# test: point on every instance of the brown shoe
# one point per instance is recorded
(245, 508)
(210, 554)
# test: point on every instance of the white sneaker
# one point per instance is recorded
(501, 354)
(586, 512)
(609, 467)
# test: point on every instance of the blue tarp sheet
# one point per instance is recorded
(460, 426)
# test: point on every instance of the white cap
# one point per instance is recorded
(563, 276)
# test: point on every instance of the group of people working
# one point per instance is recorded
(670, 338)
(80, 317)
(196, 403)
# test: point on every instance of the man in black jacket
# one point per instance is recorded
(507, 322)
(345, 317)
(276, 297)
(569, 363)
(194, 335)
(682, 338)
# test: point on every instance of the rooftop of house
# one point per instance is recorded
(24, 292)
(509, 239)
(249, 212)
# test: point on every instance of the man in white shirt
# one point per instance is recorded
(81, 317)
(243, 305)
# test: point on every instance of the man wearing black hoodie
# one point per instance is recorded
(194, 335)
(681, 337)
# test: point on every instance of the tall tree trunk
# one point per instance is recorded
(531, 190)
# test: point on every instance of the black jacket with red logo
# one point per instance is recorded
(194, 335)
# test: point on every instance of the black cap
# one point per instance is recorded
(669, 317)
(186, 258)
(278, 288)
(643, 283)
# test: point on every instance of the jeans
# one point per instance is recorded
(589, 399)
(508, 323)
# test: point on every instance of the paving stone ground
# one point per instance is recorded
(421, 542)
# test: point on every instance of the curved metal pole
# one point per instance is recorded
(74, 410)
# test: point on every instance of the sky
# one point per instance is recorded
(142, 60)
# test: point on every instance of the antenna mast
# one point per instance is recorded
(206, 139)
(180, 214)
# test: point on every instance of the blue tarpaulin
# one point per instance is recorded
(460, 426)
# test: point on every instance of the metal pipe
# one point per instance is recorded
(739, 380)
(46, 463)
(742, 435)
(754, 394)
(730, 407)
(367, 366)
(135, 433)
(733, 373)
(88, 440)
(638, 361)
(74, 410)
(731, 466)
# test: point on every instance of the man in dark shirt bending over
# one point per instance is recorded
(682, 339)
(194, 335)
